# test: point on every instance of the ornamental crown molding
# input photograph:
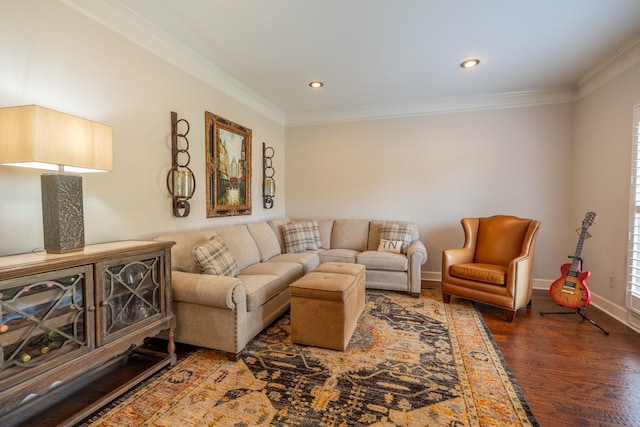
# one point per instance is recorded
(113, 15)
(488, 101)
(621, 61)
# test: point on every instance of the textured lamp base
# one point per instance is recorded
(62, 213)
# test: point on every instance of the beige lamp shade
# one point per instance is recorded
(34, 136)
(37, 137)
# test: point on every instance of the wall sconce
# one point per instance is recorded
(268, 183)
(37, 137)
(180, 180)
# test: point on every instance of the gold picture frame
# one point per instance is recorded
(228, 167)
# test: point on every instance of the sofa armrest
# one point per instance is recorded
(416, 255)
(207, 289)
(416, 251)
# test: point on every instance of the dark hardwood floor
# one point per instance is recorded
(571, 373)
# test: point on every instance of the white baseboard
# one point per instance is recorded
(616, 311)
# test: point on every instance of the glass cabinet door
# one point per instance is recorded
(45, 320)
(131, 293)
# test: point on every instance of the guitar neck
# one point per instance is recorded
(577, 257)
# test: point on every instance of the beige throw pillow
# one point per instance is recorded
(394, 246)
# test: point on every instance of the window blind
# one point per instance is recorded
(633, 283)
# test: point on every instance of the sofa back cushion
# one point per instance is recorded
(266, 239)
(276, 225)
(182, 258)
(350, 234)
(241, 244)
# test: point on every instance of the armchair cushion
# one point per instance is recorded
(488, 273)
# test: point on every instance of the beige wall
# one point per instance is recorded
(437, 169)
(55, 57)
(601, 179)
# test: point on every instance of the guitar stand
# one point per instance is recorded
(579, 313)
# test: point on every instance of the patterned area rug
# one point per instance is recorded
(410, 362)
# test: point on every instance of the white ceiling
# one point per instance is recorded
(378, 53)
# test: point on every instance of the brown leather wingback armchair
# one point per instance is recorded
(495, 266)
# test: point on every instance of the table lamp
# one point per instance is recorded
(37, 137)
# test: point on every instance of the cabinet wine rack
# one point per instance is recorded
(63, 316)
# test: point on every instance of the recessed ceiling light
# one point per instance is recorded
(470, 63)
(316, 84)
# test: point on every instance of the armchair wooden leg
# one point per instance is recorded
(446, 298)
(511, 314)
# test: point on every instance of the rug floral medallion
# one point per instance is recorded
(410, 362)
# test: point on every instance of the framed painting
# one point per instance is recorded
(228, 166)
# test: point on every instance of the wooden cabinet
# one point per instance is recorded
(65, 315)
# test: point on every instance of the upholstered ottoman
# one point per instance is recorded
(357, 270)
(325, 307)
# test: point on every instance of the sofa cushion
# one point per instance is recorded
(261, 288)
(289, 271)
(394, 246)
(379, 260)
(350, 234)
(309, 260)
(397, 231)
(300, 236)
(338, 255)
(241, 245)
(265, 238)
(214, 258)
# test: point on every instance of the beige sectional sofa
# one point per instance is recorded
(225, 312)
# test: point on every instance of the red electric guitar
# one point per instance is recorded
(570, 290)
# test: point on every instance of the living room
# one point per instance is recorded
(549, 153)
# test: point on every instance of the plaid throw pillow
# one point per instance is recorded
(300, 236)
(214, 258)
(397, 231)
(316, 233)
